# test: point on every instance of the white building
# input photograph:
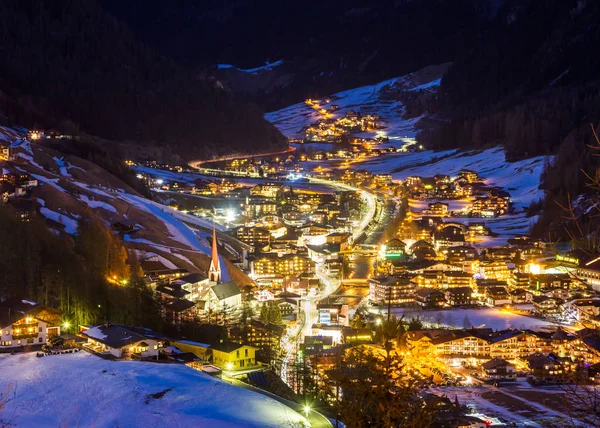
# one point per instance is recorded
(23, 325)
(122, 342)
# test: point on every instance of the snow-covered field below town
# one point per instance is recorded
(87, 391)
(496, 319)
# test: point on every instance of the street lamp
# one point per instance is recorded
(66, 325)
(306, 409)
(229, 366)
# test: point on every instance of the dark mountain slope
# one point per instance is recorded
(68, 63)
(529, 82)
(327, 45)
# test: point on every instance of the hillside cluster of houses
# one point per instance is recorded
(557, 285)
(543, 356)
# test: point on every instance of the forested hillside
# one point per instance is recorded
(91, 279)
(532, 83)
(67, 64)
(529, 82)
(326, 46)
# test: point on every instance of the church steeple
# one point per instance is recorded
(214, 272)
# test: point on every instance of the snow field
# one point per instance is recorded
(84, 390)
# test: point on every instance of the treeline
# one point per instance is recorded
(90, 278)
(69, 64)
(532, 126)
(528, 82)
(570, 183)
(326, 46)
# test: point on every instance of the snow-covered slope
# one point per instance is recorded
(84, 390)
(71, 189)
(521, 179)
(368, 99)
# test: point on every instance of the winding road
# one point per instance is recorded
(331, 283)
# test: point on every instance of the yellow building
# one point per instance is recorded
(495, 269)
(233, 356)
(5, 152)
(289, 264)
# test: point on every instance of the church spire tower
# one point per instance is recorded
(214, 272)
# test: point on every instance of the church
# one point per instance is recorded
(220, 295)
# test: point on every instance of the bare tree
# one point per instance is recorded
(582, 221)
(582, 400)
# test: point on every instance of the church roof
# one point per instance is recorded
(225, 290)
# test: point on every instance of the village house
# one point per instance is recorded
(495, 269)
(392, 289)
(461, 253)
(272, 265)
(581, 310)
(255, 236)
(459, 296)
(121, 341)
(489, 207)
(461, 344)
(269, 190)
(549, 367)
(257, 206)
(332, 314)
(193, 283)
(233, 356)
(545, 305)
(497, 296)
(394, 248)
(468, 175)
(430, 298)
(5, 151)
(498, 369)
(437, 209)
(514, 344)
(26, 323)
(450, 236)
(588, 271)
(259, 334)
(454, 279)
(155, 271)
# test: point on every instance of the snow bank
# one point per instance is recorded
(62, 167)
(69, 224)
(50, 181)
(488, 317)
(29, 159)
(177, 229)
(84, 390)
(97, 204)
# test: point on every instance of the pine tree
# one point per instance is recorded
(467, 322)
